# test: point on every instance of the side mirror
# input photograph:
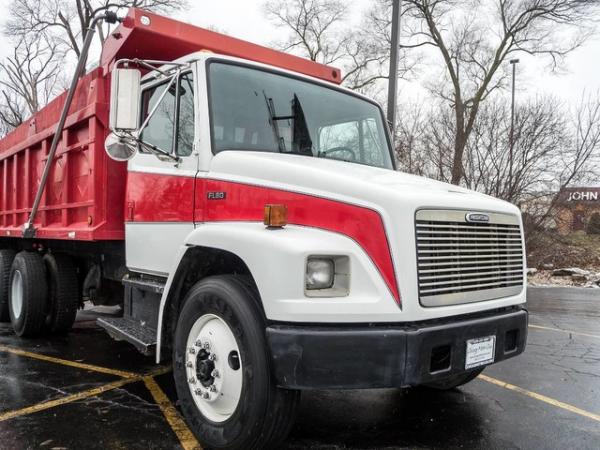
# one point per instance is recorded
(125, 100)
(120, 148)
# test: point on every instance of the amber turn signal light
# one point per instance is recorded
(275, 216)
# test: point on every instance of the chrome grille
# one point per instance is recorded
(463, 262)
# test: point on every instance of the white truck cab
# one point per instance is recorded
(366, 278)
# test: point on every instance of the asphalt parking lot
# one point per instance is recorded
(85, 390)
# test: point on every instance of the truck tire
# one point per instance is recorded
(221, 328)
(63, 293)
(6, 260)
(455, 381)
(28, 294)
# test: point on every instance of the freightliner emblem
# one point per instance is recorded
(477, 218)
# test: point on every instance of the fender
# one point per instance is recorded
(276, 259)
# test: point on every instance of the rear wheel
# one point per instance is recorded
(63, 293)
(222, 372)
(28, 294)
(455, 381)
(6, 260)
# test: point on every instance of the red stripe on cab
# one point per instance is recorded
(169, 198)
(246, 202)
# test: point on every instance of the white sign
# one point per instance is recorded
(582, 196)
(480, 352)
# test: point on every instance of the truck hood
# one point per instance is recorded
(396, 196)
(355, 183)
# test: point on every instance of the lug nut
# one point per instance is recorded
(206, 395)
(212, 357)
(192, 350)
(215, 373)
(198, 343)
(189, 364)
(198, 392)
(206, 346)
(192, 380)
(212, 388)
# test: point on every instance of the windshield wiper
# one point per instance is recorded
(301, 136)
(273, 119)
(301, 141)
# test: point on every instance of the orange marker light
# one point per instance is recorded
(275, 216)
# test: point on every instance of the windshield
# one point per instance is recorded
(257, 110)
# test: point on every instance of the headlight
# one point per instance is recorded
(327, 276)
(319, 273)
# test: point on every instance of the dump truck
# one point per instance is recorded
(245, 211)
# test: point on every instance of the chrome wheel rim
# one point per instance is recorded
(16, 294)
(213, 368)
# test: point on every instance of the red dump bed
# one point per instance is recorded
(84, 196)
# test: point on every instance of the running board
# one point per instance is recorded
(131, 330)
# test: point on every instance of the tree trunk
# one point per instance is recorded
(460, 141)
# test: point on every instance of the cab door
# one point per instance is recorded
(159, 205)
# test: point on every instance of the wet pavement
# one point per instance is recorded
(549, 397)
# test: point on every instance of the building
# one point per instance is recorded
(576, 207)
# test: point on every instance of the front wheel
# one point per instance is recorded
(222, 372)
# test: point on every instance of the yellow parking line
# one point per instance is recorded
(68, 399)
(576, 333)
(66, 362)
(541, 398)
(186, 438)
(79, 395)
(177, 424)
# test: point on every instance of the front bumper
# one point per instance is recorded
(385, 356)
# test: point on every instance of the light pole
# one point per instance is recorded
(514, 63)
(393, 74)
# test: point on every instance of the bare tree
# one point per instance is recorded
(45, 32)
(32, 71)
(320, 31)
(578, 163)
(12, 112)
(67, 21)
(581, 161)
(553, 148)
(541, 136)
(314, 27)
(28, 79)
(474, 39)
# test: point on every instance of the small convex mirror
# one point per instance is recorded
(120, 148)
(124, 100)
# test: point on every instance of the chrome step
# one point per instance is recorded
(141, 335)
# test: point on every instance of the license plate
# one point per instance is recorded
(480, 351)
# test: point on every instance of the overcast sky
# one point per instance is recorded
(245, 19)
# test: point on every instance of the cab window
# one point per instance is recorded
(171, 127)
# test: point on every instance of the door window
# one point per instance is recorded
(159, 131)
(175, 111)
